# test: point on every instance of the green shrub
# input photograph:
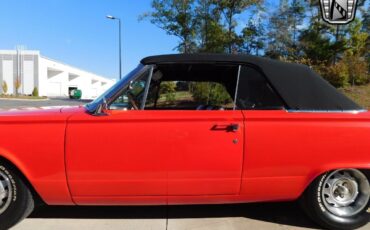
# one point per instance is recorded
(5, 87)
(168, 89)
(35, 92)
(210, 93)
(17, 85)
(358, 69)
(337, 75)
(351, 70)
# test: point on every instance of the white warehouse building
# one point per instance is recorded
(52, 78)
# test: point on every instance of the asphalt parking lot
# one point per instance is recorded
(6, 104)
(258, 216)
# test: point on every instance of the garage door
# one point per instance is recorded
(54, 89)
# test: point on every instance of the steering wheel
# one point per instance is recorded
(132, 101)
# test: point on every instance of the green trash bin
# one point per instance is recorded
(75, 94)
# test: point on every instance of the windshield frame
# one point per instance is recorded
(116, 88)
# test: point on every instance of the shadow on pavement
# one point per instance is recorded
(279, 213)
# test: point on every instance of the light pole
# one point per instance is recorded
(119, 41)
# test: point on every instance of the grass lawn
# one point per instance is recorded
(180, 95)
(360, 94)
(21, 97)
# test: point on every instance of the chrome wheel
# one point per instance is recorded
(345, 192)
(6, 192)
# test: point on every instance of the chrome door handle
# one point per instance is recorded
(228, 128)
(233, 127)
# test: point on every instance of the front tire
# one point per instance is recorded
(16, 201)
(338, 199)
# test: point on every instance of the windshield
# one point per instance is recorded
(92, 106)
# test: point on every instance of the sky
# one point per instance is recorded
(77, 33)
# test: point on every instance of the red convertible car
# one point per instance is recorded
(195, 129)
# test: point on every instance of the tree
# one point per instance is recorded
(177, 18)
(355, 55)
(216, 40)
(229, 9)
(284, 27)
(4, 86)
(209, 93)
(253, 35)
(279, 33)
(358, 38)
(17, 85)
(296, 15)
(201, 25)
(366, 29)
(318, 45)
(211, 33)
(295, 32)
(168, 89)
(349, 50)
(337, 74)
(357, 69)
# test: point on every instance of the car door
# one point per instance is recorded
(144, 153)
(153, 153)
(206, 152)
(116, 155)
(194, 103)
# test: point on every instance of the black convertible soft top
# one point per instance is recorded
(299, 86)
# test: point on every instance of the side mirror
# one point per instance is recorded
(100, 110)
(104, 104)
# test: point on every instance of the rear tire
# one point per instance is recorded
(16, 201)
(338, 199)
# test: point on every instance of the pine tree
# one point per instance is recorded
(210, 31)
(177, 18)
(253, 35)
(229, 9)
(366, 29)
(296, 15)
(279, 33)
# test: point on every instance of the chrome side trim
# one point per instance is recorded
(326, 111)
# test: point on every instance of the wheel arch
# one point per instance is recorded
(17, 169)
(315, 174)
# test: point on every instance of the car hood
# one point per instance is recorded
(54, 113)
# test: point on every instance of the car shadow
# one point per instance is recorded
(279, 213)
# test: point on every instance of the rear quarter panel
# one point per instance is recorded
(285, 151)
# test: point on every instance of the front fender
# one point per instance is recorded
(34, 143)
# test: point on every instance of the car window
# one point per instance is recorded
(110, 94)
(191, 86)
(254, 92)
(188, 95)
(132, 95)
